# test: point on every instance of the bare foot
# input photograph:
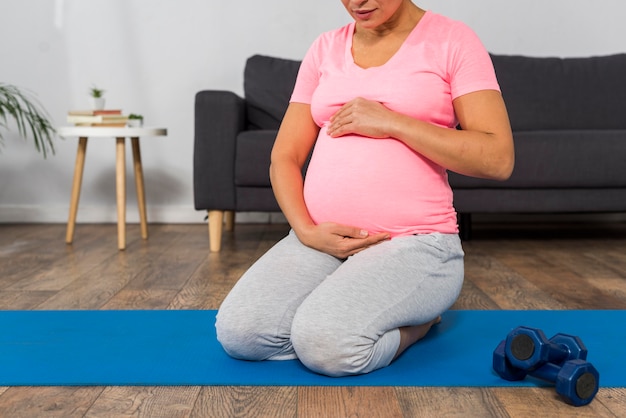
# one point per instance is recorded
(411, 335)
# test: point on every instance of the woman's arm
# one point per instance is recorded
(484, 148)
(296, 137)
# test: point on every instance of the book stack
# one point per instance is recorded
(104, 118)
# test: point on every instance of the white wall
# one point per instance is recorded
(152, 56)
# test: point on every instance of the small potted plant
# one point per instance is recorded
(97, 96)
(135, 120)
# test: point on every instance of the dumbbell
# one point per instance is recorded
(528, 348)
(561, 360)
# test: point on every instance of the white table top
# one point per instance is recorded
(95, 132)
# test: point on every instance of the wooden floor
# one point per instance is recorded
(542, 267)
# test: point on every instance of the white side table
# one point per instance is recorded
(120, 134)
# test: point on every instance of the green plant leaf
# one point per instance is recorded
(96, 92)
(29, 115)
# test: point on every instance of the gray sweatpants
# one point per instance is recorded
(339, 317)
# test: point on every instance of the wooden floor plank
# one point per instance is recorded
(140, 299)
(363, 401)
(24, 300)
(449, 402)
(507, 287)
(59, 265)
(206, 288)
(145, 401)
(246, 401)
(614, 399)
(473, 298)
(613, 258)
(103, 279)
(615, 286)
(96, 287)
(49, 402)
(550, 276)
(545, 402)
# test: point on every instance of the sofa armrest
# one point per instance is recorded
(219, 117)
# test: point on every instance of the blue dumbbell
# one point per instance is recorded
(560, 360)
(502, 365)
(577, 381)
(528, 348)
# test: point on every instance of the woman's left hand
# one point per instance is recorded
(361, 117)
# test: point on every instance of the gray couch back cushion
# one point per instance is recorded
(540, 93)
(268, 83)
(563, 93)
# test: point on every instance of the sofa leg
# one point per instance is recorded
(216, 219)
(229, 219)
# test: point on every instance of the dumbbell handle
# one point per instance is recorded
(558, 353)
(547, 372)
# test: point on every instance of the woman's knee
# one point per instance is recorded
(326, 348)
(320, 355)
(246, 335)
(235, 336)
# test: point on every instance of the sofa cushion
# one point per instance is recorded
(268, 84)
(561, 159)
(563, 93)
(252, 156)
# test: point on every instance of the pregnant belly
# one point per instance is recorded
(377, 185)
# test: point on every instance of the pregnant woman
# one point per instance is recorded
(373, 257)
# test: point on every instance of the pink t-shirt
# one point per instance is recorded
(381, 185)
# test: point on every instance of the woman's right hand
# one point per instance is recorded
(340, 241)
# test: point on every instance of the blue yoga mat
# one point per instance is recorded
(180, 348)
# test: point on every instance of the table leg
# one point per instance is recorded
(120, 186)
(141, 192)
(76, 185)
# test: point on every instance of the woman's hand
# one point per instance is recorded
(361, 117)
(295, 139)
(340, 241)
(483, 148)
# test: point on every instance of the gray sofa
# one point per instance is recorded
(568, 118)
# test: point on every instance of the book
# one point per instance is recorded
(94, 112)
(84, 119)
(102, 125)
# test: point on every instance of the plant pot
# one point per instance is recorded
(135, 123)
(97, 103)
